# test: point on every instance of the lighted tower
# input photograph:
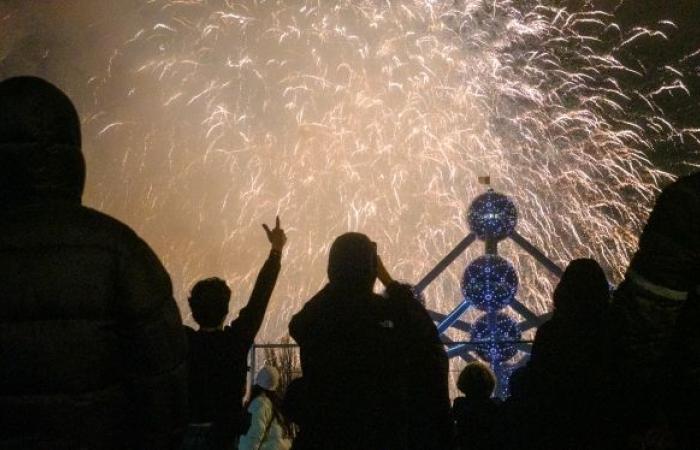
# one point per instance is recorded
(490, 284)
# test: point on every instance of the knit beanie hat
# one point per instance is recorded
(268, 378)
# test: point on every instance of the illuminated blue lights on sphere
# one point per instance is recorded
(495, 334)
(490, 283)
(492, 216)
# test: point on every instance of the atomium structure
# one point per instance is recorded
(490, 285)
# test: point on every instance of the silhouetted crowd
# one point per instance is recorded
(94, 355)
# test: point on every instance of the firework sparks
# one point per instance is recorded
(376, 117)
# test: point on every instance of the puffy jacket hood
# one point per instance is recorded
(40, 156)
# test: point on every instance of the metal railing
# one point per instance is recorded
(256, 360)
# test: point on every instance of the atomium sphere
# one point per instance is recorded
(492, 216)
(495, 334)
(490, 283)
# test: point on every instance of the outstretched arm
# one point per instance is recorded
(251, 316)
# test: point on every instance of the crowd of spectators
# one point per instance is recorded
(94, 354)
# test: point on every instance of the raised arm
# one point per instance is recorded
(251, 316)
(382, 273)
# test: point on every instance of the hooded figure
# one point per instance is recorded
(656, 304)
(351, 375)
(91, 342)
(569, 369)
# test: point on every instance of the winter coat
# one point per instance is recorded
(92, 349)
(652, 300)
(662, 272)
(683, 378)
(375, 372)
(477, 424)
(424, 372)
(265, 432)
(218, 360)
(347, 343)
(568, 385)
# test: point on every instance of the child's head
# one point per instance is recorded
(268, 378)
(209, 302)
(476, 381)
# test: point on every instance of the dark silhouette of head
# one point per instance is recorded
(352, 263)
(209, 302)
(476, 381)
(583, 290)
(669, 248)
(40, 155)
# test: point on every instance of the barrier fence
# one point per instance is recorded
(285, 357)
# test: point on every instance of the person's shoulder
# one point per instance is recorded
(106, 223)
(401, 291)
(231, 334)
(547, 328)
(115, 233)
(494, 404)
(260, 403)
(70, 224)
(310, 313)
(402, 298)
(460, 402)
(460, 408)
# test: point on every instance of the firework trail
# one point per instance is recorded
(377, 117)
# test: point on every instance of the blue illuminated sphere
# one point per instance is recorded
(492, 216)
(490, 283)
(495, 335)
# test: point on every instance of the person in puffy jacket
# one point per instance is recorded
(683, 386)
(653, 304)
(423, 368)
(570, 367)
(352, 371)
(375, 370)
(266, 430)
(92, 348)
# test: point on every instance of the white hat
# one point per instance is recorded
(268, 378)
